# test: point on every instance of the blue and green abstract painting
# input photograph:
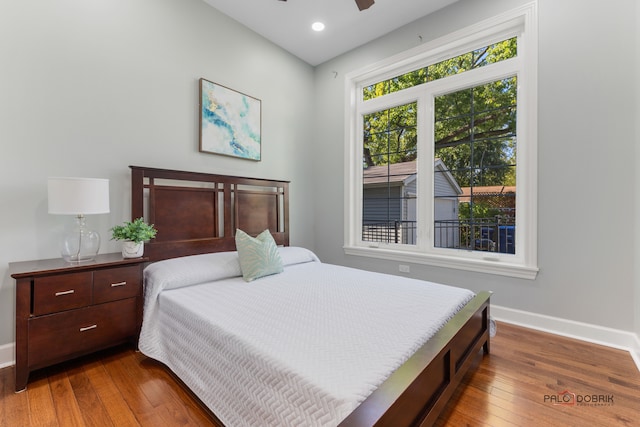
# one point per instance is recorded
(230, 122)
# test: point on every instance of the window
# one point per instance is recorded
(441, 152)
(389, 175)
(475, 138)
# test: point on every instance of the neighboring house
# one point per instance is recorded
(389, 203)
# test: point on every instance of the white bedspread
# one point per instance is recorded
(300, 348)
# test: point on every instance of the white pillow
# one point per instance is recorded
(192, 270)
(296, 255)
(258, 256)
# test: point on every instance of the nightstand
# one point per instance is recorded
(65, 310)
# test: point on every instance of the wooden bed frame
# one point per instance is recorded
(199, 212)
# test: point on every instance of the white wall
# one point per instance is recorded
(587, 116)
(637, 180)
(88, 88)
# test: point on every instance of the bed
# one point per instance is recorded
(374, 360)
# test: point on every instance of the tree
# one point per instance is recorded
(391, 136)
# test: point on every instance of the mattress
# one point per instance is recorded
(303, 347)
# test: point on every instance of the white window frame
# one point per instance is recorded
(520, 22)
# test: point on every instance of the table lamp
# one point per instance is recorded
(79, 197)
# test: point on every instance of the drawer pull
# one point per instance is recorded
(65, 292)
(88, 328)
(115, 285)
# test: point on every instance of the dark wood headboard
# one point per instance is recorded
(197, 213)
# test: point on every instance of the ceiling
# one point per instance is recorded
(288, 23)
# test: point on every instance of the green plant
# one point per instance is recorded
(136, 231)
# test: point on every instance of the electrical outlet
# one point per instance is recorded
(404, 268)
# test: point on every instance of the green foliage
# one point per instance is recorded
(479, 211)
(136, 231)
(390, 136)
(475, 133)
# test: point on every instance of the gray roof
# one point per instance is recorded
(400, 173)
(395, 173)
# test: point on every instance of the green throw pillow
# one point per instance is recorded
(258, 256)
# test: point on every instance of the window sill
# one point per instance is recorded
(500, 268)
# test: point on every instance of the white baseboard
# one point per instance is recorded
(568, 328)
(7, 352)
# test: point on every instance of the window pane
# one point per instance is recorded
(477, 58)
(389, 175)
(395, 84)
(474, 177)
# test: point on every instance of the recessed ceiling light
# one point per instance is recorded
(317, 26)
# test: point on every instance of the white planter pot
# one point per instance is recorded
(132, 249)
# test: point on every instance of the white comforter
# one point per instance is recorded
(300, 348)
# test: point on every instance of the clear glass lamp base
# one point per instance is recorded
(80, 244)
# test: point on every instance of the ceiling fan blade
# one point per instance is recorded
(364, 4)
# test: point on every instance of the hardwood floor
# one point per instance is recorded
(519, 384)
(522, 381)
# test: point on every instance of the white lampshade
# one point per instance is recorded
(78, 196)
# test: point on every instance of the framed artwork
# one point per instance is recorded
(230, 122)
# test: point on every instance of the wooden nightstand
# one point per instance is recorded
(66, 310)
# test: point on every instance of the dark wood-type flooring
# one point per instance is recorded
(521, 383)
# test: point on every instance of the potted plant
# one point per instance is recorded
(133, 234)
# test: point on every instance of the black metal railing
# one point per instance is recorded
(479, 234)
(389, 232)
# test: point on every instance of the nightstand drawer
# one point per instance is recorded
(57, 336)
(116, 283)
(62, 292)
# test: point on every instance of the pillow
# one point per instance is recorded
(191, 270)
(258, 256)
(291, 255)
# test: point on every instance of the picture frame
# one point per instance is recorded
(230, 122)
